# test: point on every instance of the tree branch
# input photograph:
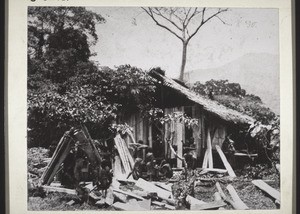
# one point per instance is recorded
(203, 21)
(168, 19)
(159, 24)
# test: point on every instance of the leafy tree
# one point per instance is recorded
(93, 96)
(184, 23)
(233, 96)
(59, 38)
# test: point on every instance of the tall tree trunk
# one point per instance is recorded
(183, 60)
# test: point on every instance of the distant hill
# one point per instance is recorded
(257, 73)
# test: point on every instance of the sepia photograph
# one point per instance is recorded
(153, 108)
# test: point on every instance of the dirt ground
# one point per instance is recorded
(204, 186)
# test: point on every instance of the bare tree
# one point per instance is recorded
(184, 23)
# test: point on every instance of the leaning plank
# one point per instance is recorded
(128, 193)
(58, 158)
(208, 206)
(225, 161)
(205, 159)
(128, 206)
(121, 152)
(150, 187)
(164, 186)
(164, 205)
(59, 189)
(226, 199)
(266, 188)
(236, 198)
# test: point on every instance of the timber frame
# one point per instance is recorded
(215, 121)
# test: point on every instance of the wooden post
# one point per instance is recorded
(150, 135)
(179, 138)
(209, 149)
(225, 162)
(197, 130)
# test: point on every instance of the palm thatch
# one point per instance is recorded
(211, 106)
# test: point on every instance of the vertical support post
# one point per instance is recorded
(150, 135)
(197, 130)
(179, 139)
(209, 149)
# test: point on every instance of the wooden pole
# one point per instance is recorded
(236, 198)
(179, 138)
(225, 161)
(209, 149)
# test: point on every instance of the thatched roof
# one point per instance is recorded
(211, 106)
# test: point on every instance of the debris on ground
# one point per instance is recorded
(77, 177)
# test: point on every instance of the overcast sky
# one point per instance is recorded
(146, 45)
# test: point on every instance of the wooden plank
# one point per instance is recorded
(59, 189)
(118, 172)
(145, 204)
(120, 197)
(221, 171)
(61, 151)
(236, 198)
(217, 196)
(244, 154)
(209, 149)
(70, 203)
(205, 159)
(109, 199)
(194, 202)
(225, 198)
(225, 162)
(179, 138)
(128, 193)
(150, 187)
(208, 206)
(197, 129)
(128, 206)
(164, 205)
(122, 155)
(150, 135)
(164, 186)
(268, 189)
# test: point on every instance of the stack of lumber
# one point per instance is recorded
(127, 160)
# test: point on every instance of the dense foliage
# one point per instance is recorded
(233, 96)
(65, 88)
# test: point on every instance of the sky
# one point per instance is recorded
(146, 45)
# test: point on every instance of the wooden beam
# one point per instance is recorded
(150, 187)
(150, 135)
(59, 189)
(268, 189)
(222, 171)
(236, 198)
(164, 186)
(179, 138)
(225, 198)
(129, 206)
(194, 202)
(209, 149)
(225, 162)
(197, 129)
(164, 205)
(244, 154)
(205, 159)
(128, 193)
(208, 206)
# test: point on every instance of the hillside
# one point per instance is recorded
(257, 73)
